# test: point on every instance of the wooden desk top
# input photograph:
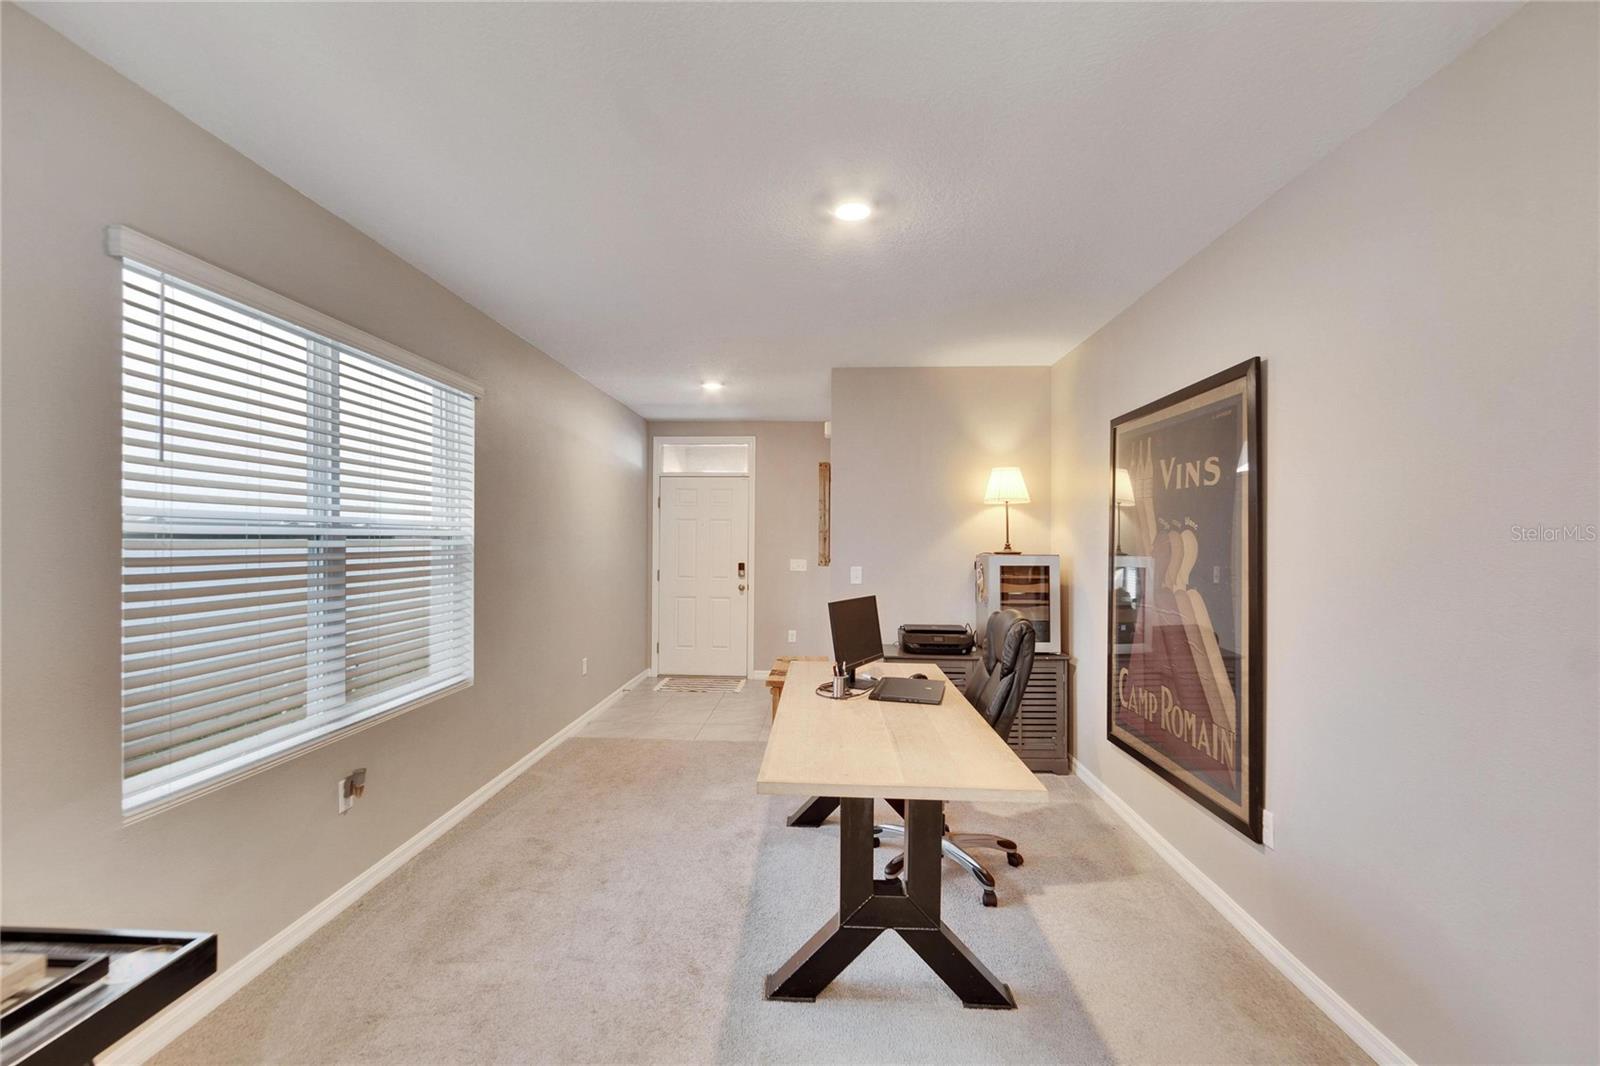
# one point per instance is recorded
(873, 749)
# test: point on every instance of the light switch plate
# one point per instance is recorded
(1266, 830)
(797, 564)
(855, 575)
(792, 636)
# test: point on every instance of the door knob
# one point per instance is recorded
(741, 588)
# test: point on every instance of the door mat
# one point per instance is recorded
(701, 684)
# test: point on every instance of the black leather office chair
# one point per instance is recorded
(995, 688)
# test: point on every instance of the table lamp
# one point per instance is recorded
(1006, 486)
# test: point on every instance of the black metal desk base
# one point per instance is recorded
(868, 907)
(814, 811)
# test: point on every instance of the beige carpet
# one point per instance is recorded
(622, 901)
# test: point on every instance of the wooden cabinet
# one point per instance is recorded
(1041, 730)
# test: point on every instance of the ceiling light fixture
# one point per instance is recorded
(852, 211)
(711, 386)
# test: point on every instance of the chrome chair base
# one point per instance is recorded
(954, 847)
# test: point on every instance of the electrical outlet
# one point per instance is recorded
(792, 635)
(855, 575)
(1266, 829)
(585, 666)
(797, 564)
(351, 789)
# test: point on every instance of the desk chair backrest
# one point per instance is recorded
(996, 683)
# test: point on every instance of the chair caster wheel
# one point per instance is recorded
(989, 898)
(893, 867)
(877, 842)
(1014, 858)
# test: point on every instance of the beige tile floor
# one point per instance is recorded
(644, 713)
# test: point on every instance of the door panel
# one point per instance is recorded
(719, 549)
(684, 549)
(704, 612)
(684, 623)
(721, 624)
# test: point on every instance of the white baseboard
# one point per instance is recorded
(143, 1043)
(1346, 1017)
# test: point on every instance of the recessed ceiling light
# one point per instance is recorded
(852, 211)
(711, 386)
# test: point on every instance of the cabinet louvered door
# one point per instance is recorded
(1039, 733)
(956, 671)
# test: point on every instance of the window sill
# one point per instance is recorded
(153, 799)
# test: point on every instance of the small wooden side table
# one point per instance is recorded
(780, 670)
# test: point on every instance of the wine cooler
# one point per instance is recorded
(1027, 583)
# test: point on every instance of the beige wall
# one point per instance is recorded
(560, 494)
(787, 454)
(1424, 301)
(912, 450)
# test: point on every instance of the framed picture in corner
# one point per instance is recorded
(1185, 670)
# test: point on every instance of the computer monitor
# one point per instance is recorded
(857, 640)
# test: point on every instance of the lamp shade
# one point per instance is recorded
(1124, 489)
(1006, 486)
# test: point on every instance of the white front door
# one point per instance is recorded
(705, 575)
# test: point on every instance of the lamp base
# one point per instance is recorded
(1008, 549)
(1005, 551)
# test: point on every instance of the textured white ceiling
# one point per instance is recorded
(638, 189)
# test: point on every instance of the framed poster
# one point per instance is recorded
(1184, 679)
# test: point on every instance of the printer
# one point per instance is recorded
(937, 640)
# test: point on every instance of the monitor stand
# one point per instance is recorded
(859, 682)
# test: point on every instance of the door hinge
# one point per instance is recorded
(658, 575)
(658, 503)
(658, 647)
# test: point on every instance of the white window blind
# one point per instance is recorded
(297, 536)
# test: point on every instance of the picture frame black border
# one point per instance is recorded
(1255, 400)
(102, 1015)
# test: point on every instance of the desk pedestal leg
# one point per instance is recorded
(836, 944)
(814, 811)
(868, 907)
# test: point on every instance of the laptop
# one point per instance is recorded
(907, 690)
